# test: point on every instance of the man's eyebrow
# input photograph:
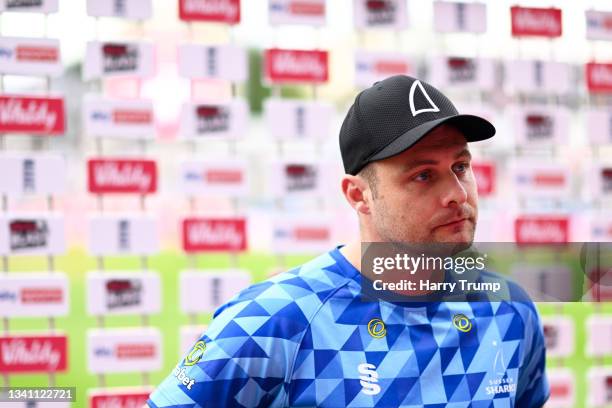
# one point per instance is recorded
(416, 163)
(464, 153)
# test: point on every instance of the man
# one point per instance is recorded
(306, 337)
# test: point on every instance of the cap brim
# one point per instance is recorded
(474, 128)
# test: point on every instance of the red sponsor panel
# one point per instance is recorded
(484, 173)
(224, 176)
(536, 22)
(42, 295)
(548, 179)
(132, 116)
(219, 11)
(541, 230)
(131, 350)
(33, 354)
(599, 77)
(121, 176)
(296, 66)
(32, 115)
(32, 53)
(390, 67)
(560, 390)
(112, 399)
(311, 233)
(307, 8)
(214, 234)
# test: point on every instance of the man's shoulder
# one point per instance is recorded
(513, 296)
(295, 294)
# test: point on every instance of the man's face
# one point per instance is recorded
(426, 194)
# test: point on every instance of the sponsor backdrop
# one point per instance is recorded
(157, 156)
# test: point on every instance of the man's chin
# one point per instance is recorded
(462, 239)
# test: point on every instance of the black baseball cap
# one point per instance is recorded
(394, 114)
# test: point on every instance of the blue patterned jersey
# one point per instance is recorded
(305, 338)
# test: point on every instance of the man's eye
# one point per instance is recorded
(423, 176)
(461, 167)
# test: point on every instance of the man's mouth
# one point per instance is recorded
(459, 222)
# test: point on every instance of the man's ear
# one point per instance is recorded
(357, 193)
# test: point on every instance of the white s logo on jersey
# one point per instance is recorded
(369, 378)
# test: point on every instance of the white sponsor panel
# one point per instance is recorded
(203, 291)
(296, 178)
(538, 76)
(188, 335)
(372, 66)
(599, 126)
(32, 174)
(460, 72)
(116, 234)
(540, 125)
(301, 234)
(29, 6)
(536, 179)
(30, 56)
(129, 9)
(460, 17)
(598, 25)
(36, 294)
(598, 179)
(298, 119)
(389, 14)
(113, 292)
(559, 336)
(227, 177)
(197, 61)
(32, 234)
(599, 380)
(124, 350)
(601, 227)
(211, 119)
(307, 12)
(118, 59)
(544, 282)
(599, 335)
(121, 118)
(562, 388)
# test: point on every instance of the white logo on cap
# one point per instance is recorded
(433, 108)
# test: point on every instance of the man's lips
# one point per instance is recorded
(455, 223)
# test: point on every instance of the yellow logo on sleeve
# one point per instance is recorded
(195, 354)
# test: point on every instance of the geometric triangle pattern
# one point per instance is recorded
(307, 338)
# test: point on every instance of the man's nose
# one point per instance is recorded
(453, 191)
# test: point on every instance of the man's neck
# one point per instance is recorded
(352, 253)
